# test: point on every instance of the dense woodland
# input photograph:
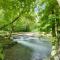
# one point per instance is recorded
(29, 16)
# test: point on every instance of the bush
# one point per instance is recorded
(54, 41)
(1, 52)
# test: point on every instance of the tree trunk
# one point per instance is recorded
(53, 25)
(53, 28)
(58, 31)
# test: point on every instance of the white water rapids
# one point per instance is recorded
(40, 46)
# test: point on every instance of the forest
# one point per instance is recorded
(40, 17)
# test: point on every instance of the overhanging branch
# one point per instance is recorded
(10, 22)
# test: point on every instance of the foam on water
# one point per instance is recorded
(41, 48)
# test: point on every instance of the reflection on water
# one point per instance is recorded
(28, 48)
(18, 52)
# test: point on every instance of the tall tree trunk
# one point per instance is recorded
(12, 30)
(53, 28)
(58, 31)
(53, 25)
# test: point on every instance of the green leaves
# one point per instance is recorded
(1, 52)
(13, 8)
(49, 12)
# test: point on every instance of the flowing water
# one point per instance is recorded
(29, 48)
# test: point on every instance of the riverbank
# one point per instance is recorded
(6, 34)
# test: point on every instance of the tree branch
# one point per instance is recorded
(9, 23)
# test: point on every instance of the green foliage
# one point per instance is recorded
(49, 12)
(53, 41)
(10, 9)
(1, 52)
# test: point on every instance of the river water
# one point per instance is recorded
(29, 48)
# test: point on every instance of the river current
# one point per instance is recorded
(41, 47)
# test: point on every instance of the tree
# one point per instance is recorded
(11, 9)
(49, 13)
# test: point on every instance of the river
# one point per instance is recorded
(29, 48)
